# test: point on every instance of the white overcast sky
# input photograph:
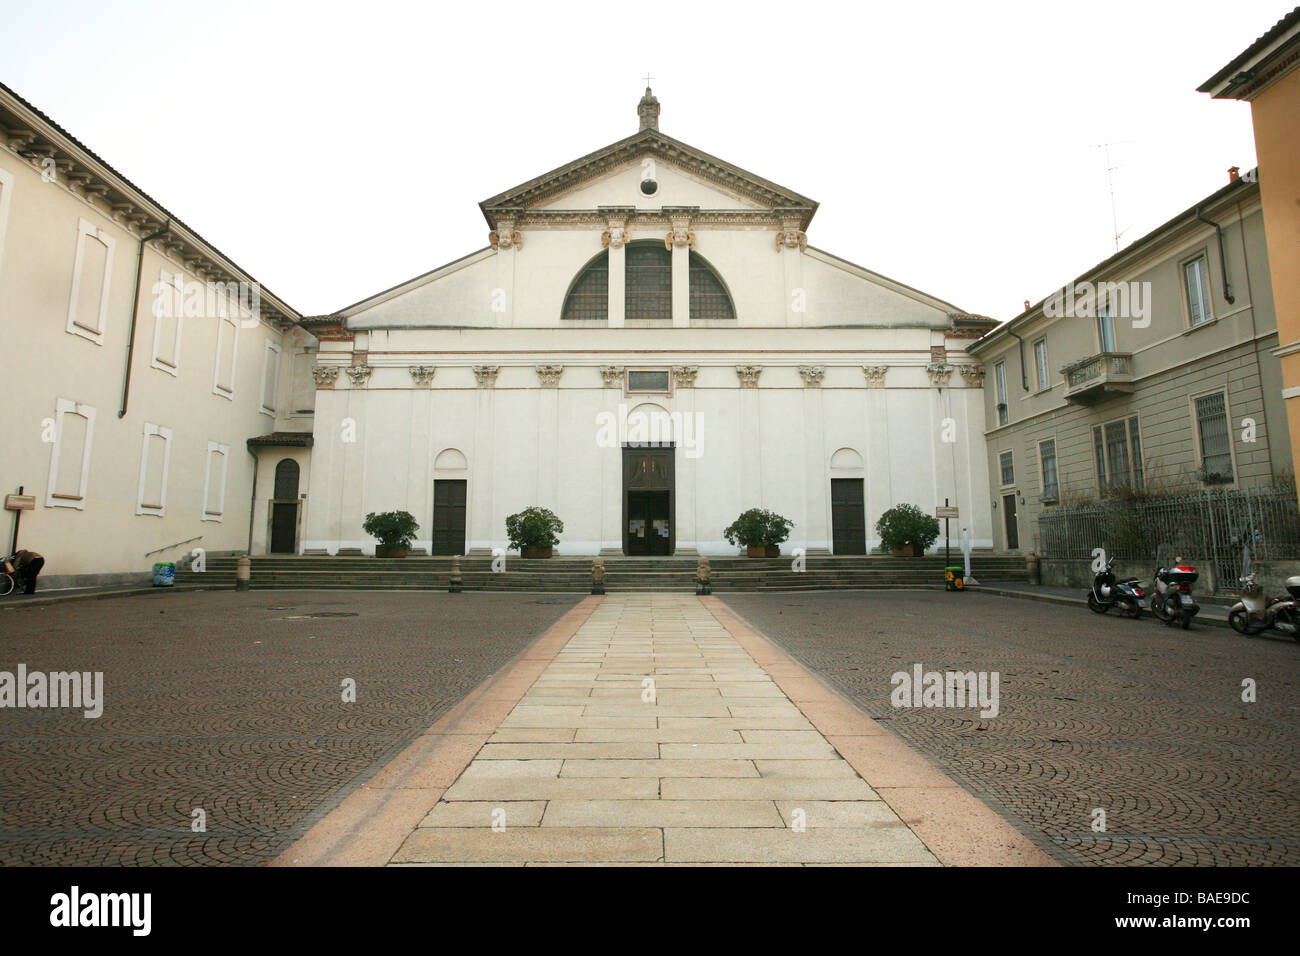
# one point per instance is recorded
(334, 150)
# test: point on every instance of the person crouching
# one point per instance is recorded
(27, 566)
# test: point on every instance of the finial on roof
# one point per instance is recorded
(648, 109)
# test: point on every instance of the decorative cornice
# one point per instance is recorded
(875, 375)
(684, 375)
(612, 375)
(812, 374)
(358, 374)
(939, 373)
(749, 375)
(325, 375)
(422, 375)
(549, 375)
(486, 375)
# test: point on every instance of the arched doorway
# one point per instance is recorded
(284, 508)
(450, 493)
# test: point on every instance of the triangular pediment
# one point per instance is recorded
(708, 181)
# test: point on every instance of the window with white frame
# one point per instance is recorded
(74, 433)
(169, 312)
(270, 378)
(1005, 464)
(1047, 462)
(6, 194)
(1040, 363)
(1118, 449)
(223, 374)
(91, 269)
(1000, 378)
(1105, 328)
(1196, 280)
(155, 461)
(1214, 438)
(214, 481)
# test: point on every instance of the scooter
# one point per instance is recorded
(1256, 612)
(1107, 593)
(1171, 594)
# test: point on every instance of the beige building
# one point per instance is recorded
(1153, 370)
(137, 361)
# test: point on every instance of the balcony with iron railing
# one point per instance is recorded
(1099, 377)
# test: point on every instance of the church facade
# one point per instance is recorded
(648, 346)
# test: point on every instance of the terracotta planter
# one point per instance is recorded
(390, 551)
(907, 551)
(531, 551)
(763, 551)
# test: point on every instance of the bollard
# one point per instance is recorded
(243, 569)
(703, 577)
(598, 576)
(1033, 570)
(454, 584)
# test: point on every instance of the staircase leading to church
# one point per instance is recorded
(573, 574)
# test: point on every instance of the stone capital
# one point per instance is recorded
(486, 375)
(875, 375)
(749, 375)
(358, 374)
(422, 375)
(612, 376)
(325, 375)
(684, 375)
(939, 373)
(549, 375)
(812, 375)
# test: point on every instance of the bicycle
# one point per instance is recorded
(8, 578)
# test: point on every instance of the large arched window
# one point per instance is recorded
(286, 480)
(709, 297)
(649, 291)
(588, 297)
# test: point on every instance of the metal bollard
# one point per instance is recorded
(454, 584)
(703, 577)
(598, 576)
(243, 569)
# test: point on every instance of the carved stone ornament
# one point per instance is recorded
(973, 374)
(549, 375)
(325, 375)
(812, 375)
(684, 375)
(791, 239)
(616, 236)
(486, 375)
(358, 374)
(612, 375)
(749, 375)
(505, 236)
(875, 375)
(422, 375)
(939, 373)
(681, 238)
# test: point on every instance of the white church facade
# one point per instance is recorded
(648, 347)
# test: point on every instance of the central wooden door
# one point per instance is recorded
(848, 517)
(649, 508)
(1013, 532)
(449, 516)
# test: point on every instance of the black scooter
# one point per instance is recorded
(1107, 593)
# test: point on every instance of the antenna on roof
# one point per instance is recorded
(1110, 184)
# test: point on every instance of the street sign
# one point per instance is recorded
(945, 512)
(20, 502)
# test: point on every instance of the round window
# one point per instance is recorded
(649, 187)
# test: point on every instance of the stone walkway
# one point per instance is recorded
(654, 736)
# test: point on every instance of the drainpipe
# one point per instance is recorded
(252, 502)
(135, 313)
(1223, 260)
(1024, 382)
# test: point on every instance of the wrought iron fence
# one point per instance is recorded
(1213, 526)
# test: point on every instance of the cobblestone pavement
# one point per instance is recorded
(231, 703)
(1142, 721)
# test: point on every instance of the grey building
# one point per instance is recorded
(1154, 370)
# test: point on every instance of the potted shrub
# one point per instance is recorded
(760, 532)
(906, 530)
(395, 531)
(534, 531)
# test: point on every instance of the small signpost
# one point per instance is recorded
(18, 504)
(947, 513)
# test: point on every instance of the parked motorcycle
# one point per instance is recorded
(1171, 595)
(1107, 593)
(1256, 612)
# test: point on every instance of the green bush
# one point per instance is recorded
(758, 527)
(534, 528)
(393, 529)
(907, 524)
